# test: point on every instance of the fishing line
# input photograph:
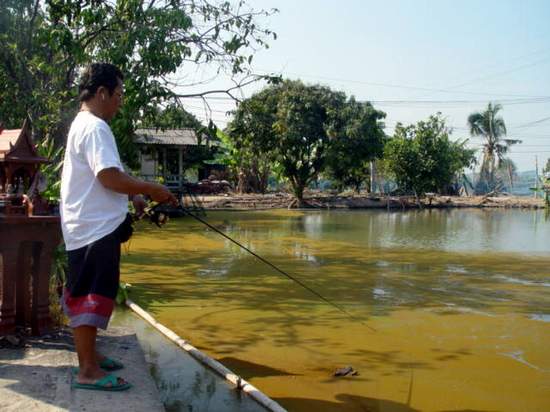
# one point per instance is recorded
(299, 282)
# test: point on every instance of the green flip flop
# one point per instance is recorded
(110, 365)
(107, 364)
(108, 383)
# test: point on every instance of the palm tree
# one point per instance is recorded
(492, 128)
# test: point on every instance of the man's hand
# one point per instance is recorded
(161, 194)
(139, 204)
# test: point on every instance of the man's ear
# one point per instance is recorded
(101, 92)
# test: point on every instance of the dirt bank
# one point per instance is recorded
(325, 201)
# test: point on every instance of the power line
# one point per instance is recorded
(537, 100)
(525, 135)
(544, 119)
(210, 98)
(501, 73)
(524, 100)
(514, 136)
(400, 86)
(520, 145)
(511, 60)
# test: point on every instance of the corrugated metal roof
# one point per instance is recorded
(176, 137)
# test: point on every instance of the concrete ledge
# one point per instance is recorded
(37, 377)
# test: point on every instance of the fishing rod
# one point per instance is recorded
(159, 218)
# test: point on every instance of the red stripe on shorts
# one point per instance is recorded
(91, 303)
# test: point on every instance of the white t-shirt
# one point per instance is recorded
(89, 211)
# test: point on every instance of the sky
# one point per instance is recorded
(413, 58)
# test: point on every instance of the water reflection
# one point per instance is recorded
(446, 290)
(183, 383)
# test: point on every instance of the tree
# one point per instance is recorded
(421, 158)
(253, 139)
(287, 127)
(46, 42)
(298, 131)
(492, 128)
(307, 119)
(359, 141)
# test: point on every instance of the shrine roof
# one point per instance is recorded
(8, 137)
(16, 145)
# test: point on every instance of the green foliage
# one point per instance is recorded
(46, 43)
(227, 155)
(59, 265)
(122, 293)
(297, 131)
(307, 120)
(51, 171)
(285, 129)
(359, 141)
(32, 50)
(422, 158)
(251, 139)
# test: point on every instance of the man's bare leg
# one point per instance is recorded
(84, 340)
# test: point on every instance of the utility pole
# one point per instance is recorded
(372, 179)
(536, 177)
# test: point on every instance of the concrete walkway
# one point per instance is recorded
(37, 376)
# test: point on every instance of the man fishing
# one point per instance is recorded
(95, 220)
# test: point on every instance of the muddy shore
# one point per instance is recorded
(325, 201)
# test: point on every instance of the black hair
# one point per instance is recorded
(97, 75)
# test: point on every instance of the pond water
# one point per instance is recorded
(451, 307)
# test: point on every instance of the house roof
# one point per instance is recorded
(173, 137)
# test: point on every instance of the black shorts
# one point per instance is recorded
(92, 280)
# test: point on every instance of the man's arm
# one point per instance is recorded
(118, 181)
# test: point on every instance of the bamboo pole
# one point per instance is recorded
(242, 384)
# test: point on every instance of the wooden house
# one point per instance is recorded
(165, 154)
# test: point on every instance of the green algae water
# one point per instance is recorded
(456, 303)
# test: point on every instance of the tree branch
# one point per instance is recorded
(227, 91)
(31, 23)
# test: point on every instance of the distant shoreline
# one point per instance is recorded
(325, 201)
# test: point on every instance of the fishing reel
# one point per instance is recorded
(154, 214)
(157, 213)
